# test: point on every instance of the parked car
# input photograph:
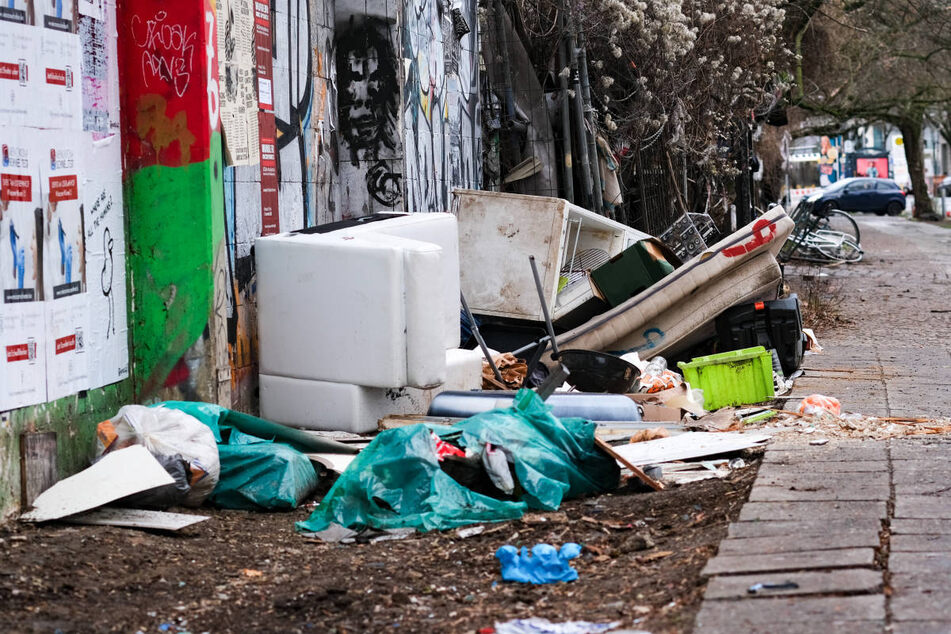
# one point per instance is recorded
(879, 195)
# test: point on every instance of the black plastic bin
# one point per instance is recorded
(775, 324)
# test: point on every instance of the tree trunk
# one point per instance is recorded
(912, 132)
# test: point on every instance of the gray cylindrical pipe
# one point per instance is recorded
(568, 174)
(591, 131)
(582, 145)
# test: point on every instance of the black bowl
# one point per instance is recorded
(592, 371)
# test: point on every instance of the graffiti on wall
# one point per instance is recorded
(368, 105)
(441, 118)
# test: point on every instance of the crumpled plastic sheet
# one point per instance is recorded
(397, 482)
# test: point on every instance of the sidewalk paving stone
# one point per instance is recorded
(833, 454)
(917, 563)
(921, 627)
(784, 528)
(916, 582)
(811, 510)
(932, 489)
(825, 467)
(845, 581)
(805, 560)
(867, 478)
(793, 614)
(796, 542)
(922, 606)
(847, 491)
(920, 527)
(922, 507)
(920, 543)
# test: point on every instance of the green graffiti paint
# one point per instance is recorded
(174, 224)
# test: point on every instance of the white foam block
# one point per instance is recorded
(354, 408)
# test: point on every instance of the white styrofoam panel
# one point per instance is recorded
(440, 229)
(425, 321)
(354, 408)
(331, 309)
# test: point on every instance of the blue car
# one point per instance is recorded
(879, 195)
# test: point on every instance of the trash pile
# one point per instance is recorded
(586, 354)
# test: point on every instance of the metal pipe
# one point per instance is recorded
(478, 337)
(544, 303)
(591, 130)
(568, 175)
(579, 115)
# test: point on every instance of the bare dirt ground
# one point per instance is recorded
(247, 572)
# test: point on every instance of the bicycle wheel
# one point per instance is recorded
(846, 250)
(841, 221)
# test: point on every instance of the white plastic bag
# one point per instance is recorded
(166, 432)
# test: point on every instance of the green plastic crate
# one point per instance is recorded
(739, 377)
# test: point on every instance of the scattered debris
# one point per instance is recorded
(819, 441)
(470, 531)
(817, 403)
(546, 564)
(536, 625)
(757, 588)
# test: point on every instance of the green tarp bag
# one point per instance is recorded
(397, 482)
(256, 474)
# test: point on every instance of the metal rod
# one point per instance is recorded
(569, 184)
(478, 337)
(591, 134)
(541, 298)
(579, 115)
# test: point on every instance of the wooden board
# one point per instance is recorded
(37, 465)
(136, 518)
(116, 475)
(394, 421)
(687, 446)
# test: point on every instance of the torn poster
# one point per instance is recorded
(100, 74)
(101, 193)
(236, 69)
(22, 321)
(64, 261)
(18, 72)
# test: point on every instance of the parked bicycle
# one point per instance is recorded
(826, 236)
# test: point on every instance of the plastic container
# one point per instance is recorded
(739, 377)
(775, 324)
(594, 407)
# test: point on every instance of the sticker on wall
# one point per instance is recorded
(18, 73)
(59, 62)
(101, 191)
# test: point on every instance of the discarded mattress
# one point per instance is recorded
(680, 309)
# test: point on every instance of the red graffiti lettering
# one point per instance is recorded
(763, 233)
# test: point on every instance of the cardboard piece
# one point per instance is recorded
(655, 410)
(686, 446)
(116, 475)
(137, 518)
